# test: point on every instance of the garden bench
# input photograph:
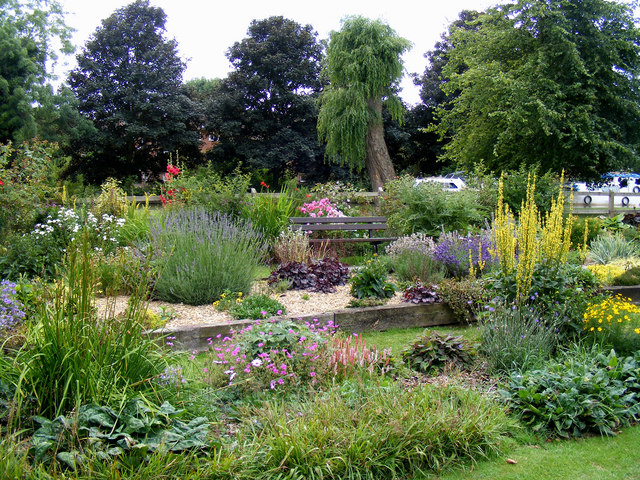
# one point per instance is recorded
(332, 224)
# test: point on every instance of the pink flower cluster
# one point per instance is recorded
(321, 208)
(276, 367)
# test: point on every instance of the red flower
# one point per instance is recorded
(263, 184)
(308, 195)
(1, 183)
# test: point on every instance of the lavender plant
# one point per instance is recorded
(200, 255)
(462, 255)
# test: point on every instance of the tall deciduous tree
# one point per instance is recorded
(129, 83)
(364, 68)
(264, 113)
(28, 32)
(553, 83)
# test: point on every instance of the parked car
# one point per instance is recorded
(448, 184)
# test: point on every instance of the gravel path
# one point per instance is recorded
(207, 314)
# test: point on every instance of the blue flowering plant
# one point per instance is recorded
(11, 309)
(462, 255)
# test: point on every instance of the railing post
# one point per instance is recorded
(612, 197)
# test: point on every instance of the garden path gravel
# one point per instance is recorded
(186, 315)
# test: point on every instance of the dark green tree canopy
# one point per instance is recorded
(129, 84)
(552, 83)
(28, 33)
(264, 112)
(364, 69)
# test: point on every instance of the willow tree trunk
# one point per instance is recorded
(378, 161)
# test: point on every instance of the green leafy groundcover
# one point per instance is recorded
(578, 395)
(139, 428)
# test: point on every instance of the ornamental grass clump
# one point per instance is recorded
(608, 247)
(615, 322)
(370, 431)
(73, 355)
(200, 255)
(412, 259)
(515, 338)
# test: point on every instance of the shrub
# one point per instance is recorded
(515, 338)
(433, 351)
(411, 259)
(371, 281)
(206, 188)
(256, 307)
(465, 297)
(120, 272)
(608, 247)
(418, 242)
(200, 255)
(428, 209)
(533, 241)
(112, 199)
(592, 225)
(320, 208)
(515, 188)
(343, 196)
(559, 294)
(40, 252)
(580, 393)
(419, 293)
(614, 321)
(464, 255)
(29, 181)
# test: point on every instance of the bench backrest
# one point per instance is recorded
(338, 223)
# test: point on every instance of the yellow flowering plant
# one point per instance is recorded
(606, 273)
(615, 322)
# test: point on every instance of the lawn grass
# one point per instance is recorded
(601, 458)
(399, 338)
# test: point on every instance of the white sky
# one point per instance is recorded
(205, 30)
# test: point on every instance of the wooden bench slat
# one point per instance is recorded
(324, 224)
(331, 220)
(341, 226)
(373, 240)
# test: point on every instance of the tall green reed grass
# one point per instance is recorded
(200, 255)
(270, 213)
(73, 355)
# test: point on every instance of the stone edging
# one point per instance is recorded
(199, 337)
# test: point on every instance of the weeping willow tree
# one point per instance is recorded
(364, 67)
